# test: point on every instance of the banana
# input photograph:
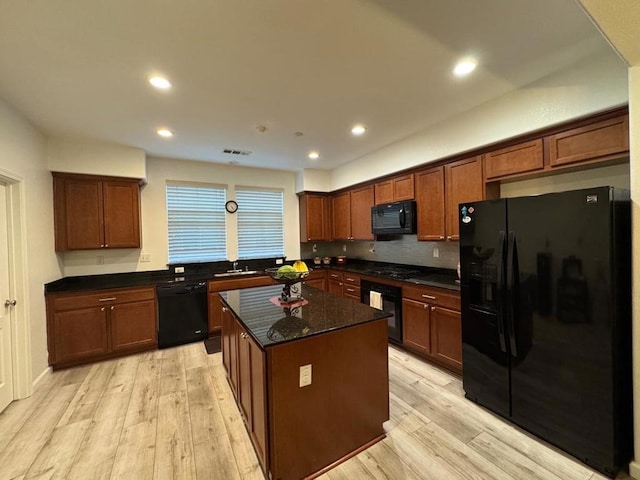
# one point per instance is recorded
(300, 266)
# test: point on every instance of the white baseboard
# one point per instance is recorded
(634, 470)
(45, 373)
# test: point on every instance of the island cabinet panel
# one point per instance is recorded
(591, 142)
(340, 411)
(230, 353)
(516, 159)
(430, 204)
(432, 325)
(315, 218)
(85, 327)
(464, 183)
(96, 212)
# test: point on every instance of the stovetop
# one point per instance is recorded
(393, 272)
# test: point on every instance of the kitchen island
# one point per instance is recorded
(311, 379)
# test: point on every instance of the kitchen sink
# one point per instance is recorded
(235, 273)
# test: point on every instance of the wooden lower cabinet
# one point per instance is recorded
(317, 278)
(93, 326)
(431, 324)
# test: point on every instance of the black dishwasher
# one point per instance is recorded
(182, 313)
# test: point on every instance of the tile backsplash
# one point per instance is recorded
(405, 249)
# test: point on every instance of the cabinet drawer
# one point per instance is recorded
(351, 291)
(108, 297)
(434, 296)
(351, 279)
(333, 275)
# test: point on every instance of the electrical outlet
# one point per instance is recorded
(436, 252)
(145, 257)
(179, 270)
(315, 248)
(279, 261)
(344, 248)
(305, 375)
(100, 260)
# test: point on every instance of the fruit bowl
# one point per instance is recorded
(288, 278)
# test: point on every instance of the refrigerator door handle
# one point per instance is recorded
(500, 290)
(512, 294)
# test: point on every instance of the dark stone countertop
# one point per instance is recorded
(435, 277)
(270, 324)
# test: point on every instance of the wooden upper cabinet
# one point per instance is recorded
(591, 142)
(341, 209)
(314, 218)
(395, 189)
(96, 212)
(430, 204)
(464, 183)
(516, 159)
(361, 203)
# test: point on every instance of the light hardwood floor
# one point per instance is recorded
(169, 414)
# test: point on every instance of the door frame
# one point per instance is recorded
(19, 316)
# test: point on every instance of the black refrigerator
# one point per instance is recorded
(546, 318)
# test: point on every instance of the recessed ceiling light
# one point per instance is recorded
(465, 67)
(160, 82)
(314, 155)
(358, 129)
(165, 133)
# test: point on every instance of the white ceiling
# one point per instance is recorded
(78, 68)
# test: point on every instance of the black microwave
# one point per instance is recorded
(393, 218)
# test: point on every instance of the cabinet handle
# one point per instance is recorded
(224, 309)
(430, 297)
(244, 335)
(425, 306)
(341, 283)
(102, 309)
(351, 279)
(106, 245)
(109, 299)
(449, 237)
(441, 237)
(101, 246)
(350, 290)
(433, 308)
(112, 307)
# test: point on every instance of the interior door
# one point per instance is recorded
(6, 364)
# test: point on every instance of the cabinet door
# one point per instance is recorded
(244, 375)
(258, 401)
(608, 137)
(361, 203)
(80, 333)
(314, 221)
(416, 328)
(430, 204)
(341, 208)
(446, 336)
(215, 314)
(83, 212)
(464, 183)
(383, 192)
(335, 287)
(133, 325)
(121, 214)
(317, 283)
(516, 159)
(403, 188)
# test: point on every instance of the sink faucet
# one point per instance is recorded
(235, 265)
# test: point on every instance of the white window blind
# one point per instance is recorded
(260, 223)
(196, 221)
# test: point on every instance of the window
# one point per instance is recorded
(196, 223)
(260, 223)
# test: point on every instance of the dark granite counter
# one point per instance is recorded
(270, 324)
(435, 277)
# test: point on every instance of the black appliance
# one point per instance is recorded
(393, 218)
(546, 318)
(182, 313)
(391, 303)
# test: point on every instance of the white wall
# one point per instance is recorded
(596, 84)
(313, 180)
(93, 158)
(154, 220)
(22, 154)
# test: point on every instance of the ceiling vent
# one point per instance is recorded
(236, 152)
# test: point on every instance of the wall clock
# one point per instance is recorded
(231, 206)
